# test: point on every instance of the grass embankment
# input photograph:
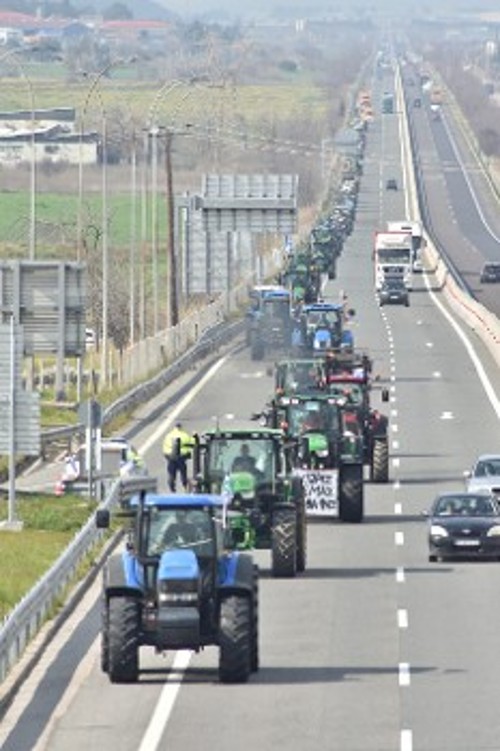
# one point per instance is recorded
(49, 525)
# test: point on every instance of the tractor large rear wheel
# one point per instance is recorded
(284, 543)
(380, 461)
(301, 557)
(104, 635)
(351, 495)
(235, 639)
(257, 348)
(123, 640)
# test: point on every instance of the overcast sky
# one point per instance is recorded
(261, 8)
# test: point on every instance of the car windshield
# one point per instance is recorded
(172, 528)
(487, 467)
(470, 505)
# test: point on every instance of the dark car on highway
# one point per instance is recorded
(394, 292)
(464, 525)
(490, 273)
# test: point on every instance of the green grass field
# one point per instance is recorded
(50, 523)
(57, 219)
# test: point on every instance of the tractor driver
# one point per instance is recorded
(244, 462)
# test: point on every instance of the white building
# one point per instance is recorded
(53, 135)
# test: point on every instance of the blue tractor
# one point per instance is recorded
(269, 328)
(321, 328)
(175, 585)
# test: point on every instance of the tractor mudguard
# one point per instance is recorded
(236, 573)
(122, 575)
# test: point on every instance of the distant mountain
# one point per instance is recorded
(150, 9)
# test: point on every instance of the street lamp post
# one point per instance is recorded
(104, 210)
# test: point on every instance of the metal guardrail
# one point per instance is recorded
(22, 623)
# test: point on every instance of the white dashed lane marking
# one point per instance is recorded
(399, 538)
(404, 674)
(400, 575)
(402, 618)
(406, 740)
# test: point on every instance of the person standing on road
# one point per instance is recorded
(177, 447)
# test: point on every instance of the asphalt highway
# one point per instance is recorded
(373, 648)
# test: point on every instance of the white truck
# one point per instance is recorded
(417, 238)
(392, 256)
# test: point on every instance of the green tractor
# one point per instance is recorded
(326, 457)
(265, 507)
(347, 377)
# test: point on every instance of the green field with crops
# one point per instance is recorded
(57, 219)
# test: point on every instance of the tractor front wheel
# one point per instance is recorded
(380, 461)
(235, 639)
(123, 640)
(284, 543)
(351, 496)
(254, 656)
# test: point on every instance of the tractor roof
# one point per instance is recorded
(322, 306)
(294, 399)
(179, 500)
(242, 433)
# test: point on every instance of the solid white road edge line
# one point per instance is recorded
(485, 381)
(177, 410)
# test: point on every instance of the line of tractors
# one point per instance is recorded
(185, 577)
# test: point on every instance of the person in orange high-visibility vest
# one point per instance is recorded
(177, 447)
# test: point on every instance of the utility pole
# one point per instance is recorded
(173, 302)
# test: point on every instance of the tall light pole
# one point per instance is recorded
(104, 209)
(11, 56)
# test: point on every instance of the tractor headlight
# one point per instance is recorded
(178, 591)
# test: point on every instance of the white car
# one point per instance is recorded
(485, 475)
